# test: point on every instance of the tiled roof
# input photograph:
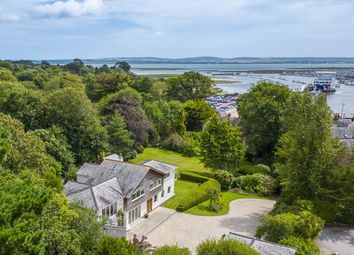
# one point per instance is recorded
(159, 166)
(263, 247)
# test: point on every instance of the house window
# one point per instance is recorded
(155, 184)
(134, 214)
(155, 198)
(169, 189)
(138, 194)
(162, 193)
(110, 210)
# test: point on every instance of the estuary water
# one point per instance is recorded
(241, 81)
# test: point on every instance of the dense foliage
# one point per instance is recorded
(190, 86)
(221, 145)
(224, 247)
(53, 118)
(261, 112)
(171, 250)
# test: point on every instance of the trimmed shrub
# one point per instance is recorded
(225, 178)
(302, 246)
(187, 176)
(197, 195)
(171, 250)
(224, 247)
(257, 183)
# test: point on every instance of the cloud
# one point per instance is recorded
(9, 17)
(71, 8)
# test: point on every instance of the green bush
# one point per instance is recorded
(115, 246)
(285, 225)
(174, 142)
(171, 250)
(225, 178)
(309, 225)
(257, 183)
(187, 176)
(191, 144)
(275, 228)
(224, 247)
(303, 247)
(197, 195)
(188, 145)
(257, 169)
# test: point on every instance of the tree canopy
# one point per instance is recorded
(221, 145)
(190, 85)
(261, 111)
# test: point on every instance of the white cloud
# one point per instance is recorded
(9, 17)
(71, 8)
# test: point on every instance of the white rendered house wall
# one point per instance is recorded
(167, 192)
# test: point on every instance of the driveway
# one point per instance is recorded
(340, 240)
(188, 230)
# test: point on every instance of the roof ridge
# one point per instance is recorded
(158, 161)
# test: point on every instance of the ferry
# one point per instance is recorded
(325, 82)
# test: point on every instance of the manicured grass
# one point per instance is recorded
(190, 164)
(182, 188)
(227, 197)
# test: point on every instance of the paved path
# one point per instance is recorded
(188, 230)
(340, 240)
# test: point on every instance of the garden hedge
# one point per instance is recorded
(197, 195)
(187, 176)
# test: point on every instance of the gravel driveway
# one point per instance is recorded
(340, 240)
(188, 230)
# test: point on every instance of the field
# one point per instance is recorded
(182, 187)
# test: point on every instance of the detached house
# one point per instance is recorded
(120, 191)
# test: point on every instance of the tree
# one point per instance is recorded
(76, 66)
(6, 75)
(128, 103)
(307, 151)
(27, 150)
(26, 105)
(58, 236)
(143, 84)
(4, 144)
(115, 246)
(261, 113)
(227, 247)
(71, 110)
(166, 117)
(103, 84)
(197, 114)
(57, 146)
(21, 204)
(190, 85)
(119, 138)
(221, 145)
(123, 66)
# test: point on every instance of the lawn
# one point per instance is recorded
(227, 197)
(182, 188)
(190, 164)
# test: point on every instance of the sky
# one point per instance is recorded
(58, 29)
